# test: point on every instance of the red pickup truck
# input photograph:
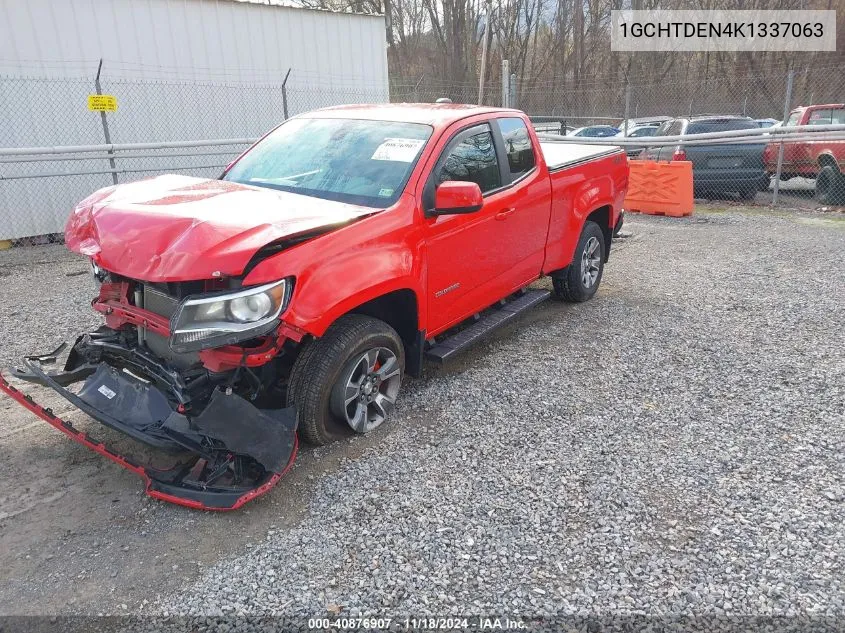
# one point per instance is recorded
(822, 160)
(289, 296)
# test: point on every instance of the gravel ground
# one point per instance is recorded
(674, 446)
(45, 299)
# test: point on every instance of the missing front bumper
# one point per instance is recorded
(235, 451)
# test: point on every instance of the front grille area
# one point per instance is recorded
(164, 305)
(159, 302)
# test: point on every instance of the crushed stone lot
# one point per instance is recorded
(674, 446)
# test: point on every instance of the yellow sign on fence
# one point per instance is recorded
(102, 103)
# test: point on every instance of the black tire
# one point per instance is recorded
(320, 365)
(830, 186)
(748, 193)
(569, 284)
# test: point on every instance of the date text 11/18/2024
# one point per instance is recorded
(474, 623)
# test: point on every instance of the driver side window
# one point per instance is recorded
(473, 160)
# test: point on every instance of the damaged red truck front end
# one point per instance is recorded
(180, 358)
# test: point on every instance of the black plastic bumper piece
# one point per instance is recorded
(105, 394)
(138, 409)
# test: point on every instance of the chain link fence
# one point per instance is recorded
(811, 170)
(37, 191)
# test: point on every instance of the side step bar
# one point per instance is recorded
(449, 347)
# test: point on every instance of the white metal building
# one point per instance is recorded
(180, 69)
(189, 40)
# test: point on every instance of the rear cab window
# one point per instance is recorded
(820, 117)
(720, 125)
(520, 153)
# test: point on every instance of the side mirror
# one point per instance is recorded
(455, 196)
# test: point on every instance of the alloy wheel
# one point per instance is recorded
(590, 262)
(366, 393)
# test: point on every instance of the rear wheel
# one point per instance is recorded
(748, 193)
(830, 186)
(581, 279)
(347, 380)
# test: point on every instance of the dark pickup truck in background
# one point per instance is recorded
(719, 168)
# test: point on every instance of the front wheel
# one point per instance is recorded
(347, 380)
(581, 279)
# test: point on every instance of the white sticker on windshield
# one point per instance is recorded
(403, 150)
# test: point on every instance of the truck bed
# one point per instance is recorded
(561, 155)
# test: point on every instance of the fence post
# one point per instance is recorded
(787, 103)
(505, 79)
(627, 105)
(512, 101)
(105, 125)
(285, 94)
(417, 88)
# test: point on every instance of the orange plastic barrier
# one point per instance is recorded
(660, 188)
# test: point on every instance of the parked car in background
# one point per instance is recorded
(595, 131)
(822, 160)
(719, 168)
(766, 122)
(641, 121)
(637, 132)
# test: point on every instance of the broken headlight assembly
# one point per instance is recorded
(215, 320)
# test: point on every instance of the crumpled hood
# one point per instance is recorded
(179, 228)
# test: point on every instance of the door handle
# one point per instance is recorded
(504, 213)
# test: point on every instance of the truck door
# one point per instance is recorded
(473, 260)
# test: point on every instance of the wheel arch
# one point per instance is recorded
(398, 306)
(400, 310)
(602, 216)
(827, 160)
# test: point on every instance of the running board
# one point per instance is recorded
(449, 347)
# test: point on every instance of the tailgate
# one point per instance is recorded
(726, 157)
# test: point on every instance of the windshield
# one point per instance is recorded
(793, 118)
(358, 162)
(644, 131)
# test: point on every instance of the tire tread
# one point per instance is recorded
(567, 285)
(315, 365)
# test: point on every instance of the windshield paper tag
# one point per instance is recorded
(403, 150)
